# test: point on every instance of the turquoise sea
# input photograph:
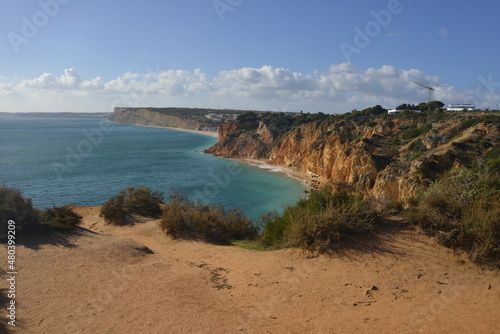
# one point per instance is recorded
(56, 161)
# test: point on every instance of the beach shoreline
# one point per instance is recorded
(289, 172)
(292, 173)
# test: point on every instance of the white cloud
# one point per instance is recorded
(340, 88)
(443, 32)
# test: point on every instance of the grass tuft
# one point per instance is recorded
(320, 221)
(461, 210)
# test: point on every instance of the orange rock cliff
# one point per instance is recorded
(388, 157)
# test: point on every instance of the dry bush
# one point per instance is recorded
(140, 201)
(113, 211)
(321, 220)
(61, 218)
(175, 218)
(461, 210)
(13, 206)
(143, 201)
(323, 230)
(187, 219)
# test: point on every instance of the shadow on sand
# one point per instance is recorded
(54, 238)
(381, 241)
(4, 303)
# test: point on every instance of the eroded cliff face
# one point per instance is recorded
(138, 116)
(375, 158)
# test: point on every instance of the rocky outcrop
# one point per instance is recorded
(150, 117)
(376, 158)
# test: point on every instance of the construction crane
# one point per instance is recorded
(429, 88)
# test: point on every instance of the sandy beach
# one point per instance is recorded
(134, 279)
(304, 178)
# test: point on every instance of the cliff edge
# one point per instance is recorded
(386, 156)
(161, 118)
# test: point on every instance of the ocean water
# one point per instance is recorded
(57, 161)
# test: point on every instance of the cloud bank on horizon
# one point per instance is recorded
(329, 56)
(339, 89)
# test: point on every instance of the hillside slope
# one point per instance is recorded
(388, 157)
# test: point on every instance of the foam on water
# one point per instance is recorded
(271, 168)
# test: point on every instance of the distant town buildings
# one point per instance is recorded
(451, 107)
(221, 118)
(215, 118)
(461, 107)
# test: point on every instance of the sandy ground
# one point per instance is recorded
(134, 279)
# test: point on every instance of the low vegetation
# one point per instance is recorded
(13, 206)
(183, 218)
(414, 131)
(132, 201)
(61, 218)
(461, 210)
(29, 220)
(320, 221)
(493, 158)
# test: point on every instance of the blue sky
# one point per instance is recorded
(333, 56)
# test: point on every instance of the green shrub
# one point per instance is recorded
(485, 144)
(142, 201)
(493, 158)
(174, 221)
(61, 218)
(15, 207)
(396, 142)
(417, 146)
(414, 132)
(275, 227)
(113, 211)
(248, 116)
(139, 201)
(183, 218)
(410, 134)
(319, 221)
(461, 210)
(322, 230)
(425, 128)
(465, 124)
(493, 154)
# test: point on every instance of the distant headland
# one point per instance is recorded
(60, 114)
(193, 119)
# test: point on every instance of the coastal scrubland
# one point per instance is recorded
(440, 170)
(401, 237)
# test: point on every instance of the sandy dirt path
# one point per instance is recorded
(134, 279)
